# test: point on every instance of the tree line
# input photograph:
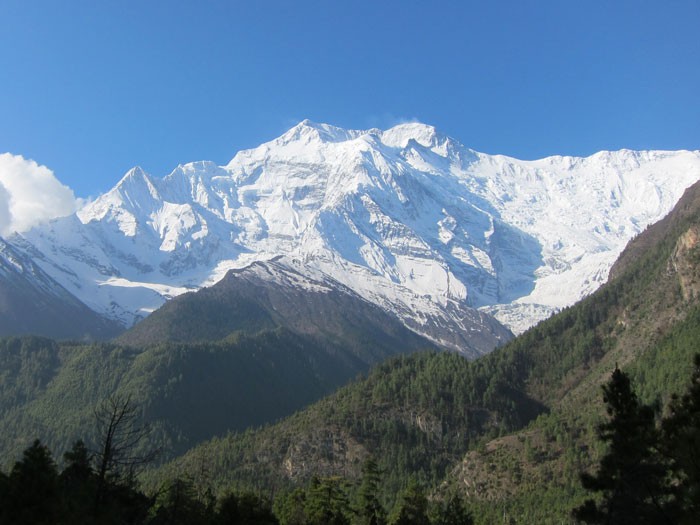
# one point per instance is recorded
(100, 486)
(36, 493)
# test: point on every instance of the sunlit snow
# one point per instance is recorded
(407, 218)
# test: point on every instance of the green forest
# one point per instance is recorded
(649, 473)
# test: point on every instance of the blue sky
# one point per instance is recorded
(92, 88)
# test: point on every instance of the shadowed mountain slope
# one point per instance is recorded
(31, 302)
(261, 344)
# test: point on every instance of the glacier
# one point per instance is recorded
(408, 218)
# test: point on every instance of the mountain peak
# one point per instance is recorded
(136, 179)
(135, 173)
(132, 192)
(307, 131)
(424, 134)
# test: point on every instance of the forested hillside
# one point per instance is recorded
(415, 414)
(645, 320)
(418, 414)
(185, 392)
(240, 354)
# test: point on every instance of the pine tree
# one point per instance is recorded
(369, 510)
(289, 507)
(78, 484)
(412, 507)
(681, 433)
(32, 491)
(632, 477)
(180, 506)
(327, 503)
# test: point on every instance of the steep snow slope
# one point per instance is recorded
(407, 218)
(31, 302)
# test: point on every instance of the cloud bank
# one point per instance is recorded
(30, 194)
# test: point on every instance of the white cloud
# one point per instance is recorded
(30, 194)
(5, 215)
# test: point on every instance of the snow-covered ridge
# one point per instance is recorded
(407, 217)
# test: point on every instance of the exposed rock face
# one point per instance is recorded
(685, 262)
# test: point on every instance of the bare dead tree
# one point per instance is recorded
(120, 433)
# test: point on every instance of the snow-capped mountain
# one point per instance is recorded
(31, 302)
(407, 218)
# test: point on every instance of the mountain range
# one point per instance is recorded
(462, 247)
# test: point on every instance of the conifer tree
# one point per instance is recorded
(32, 494)
(681, 437)
(78, 484)
(327, 503)
(180, 506)
(369, 510)
(632, 477)
(412, 507)
(289, 508)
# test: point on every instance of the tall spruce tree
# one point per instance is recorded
(631, 481)
(369, 510)
(327, 502)
(179, 506)
(32, 494)
(681, 442)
